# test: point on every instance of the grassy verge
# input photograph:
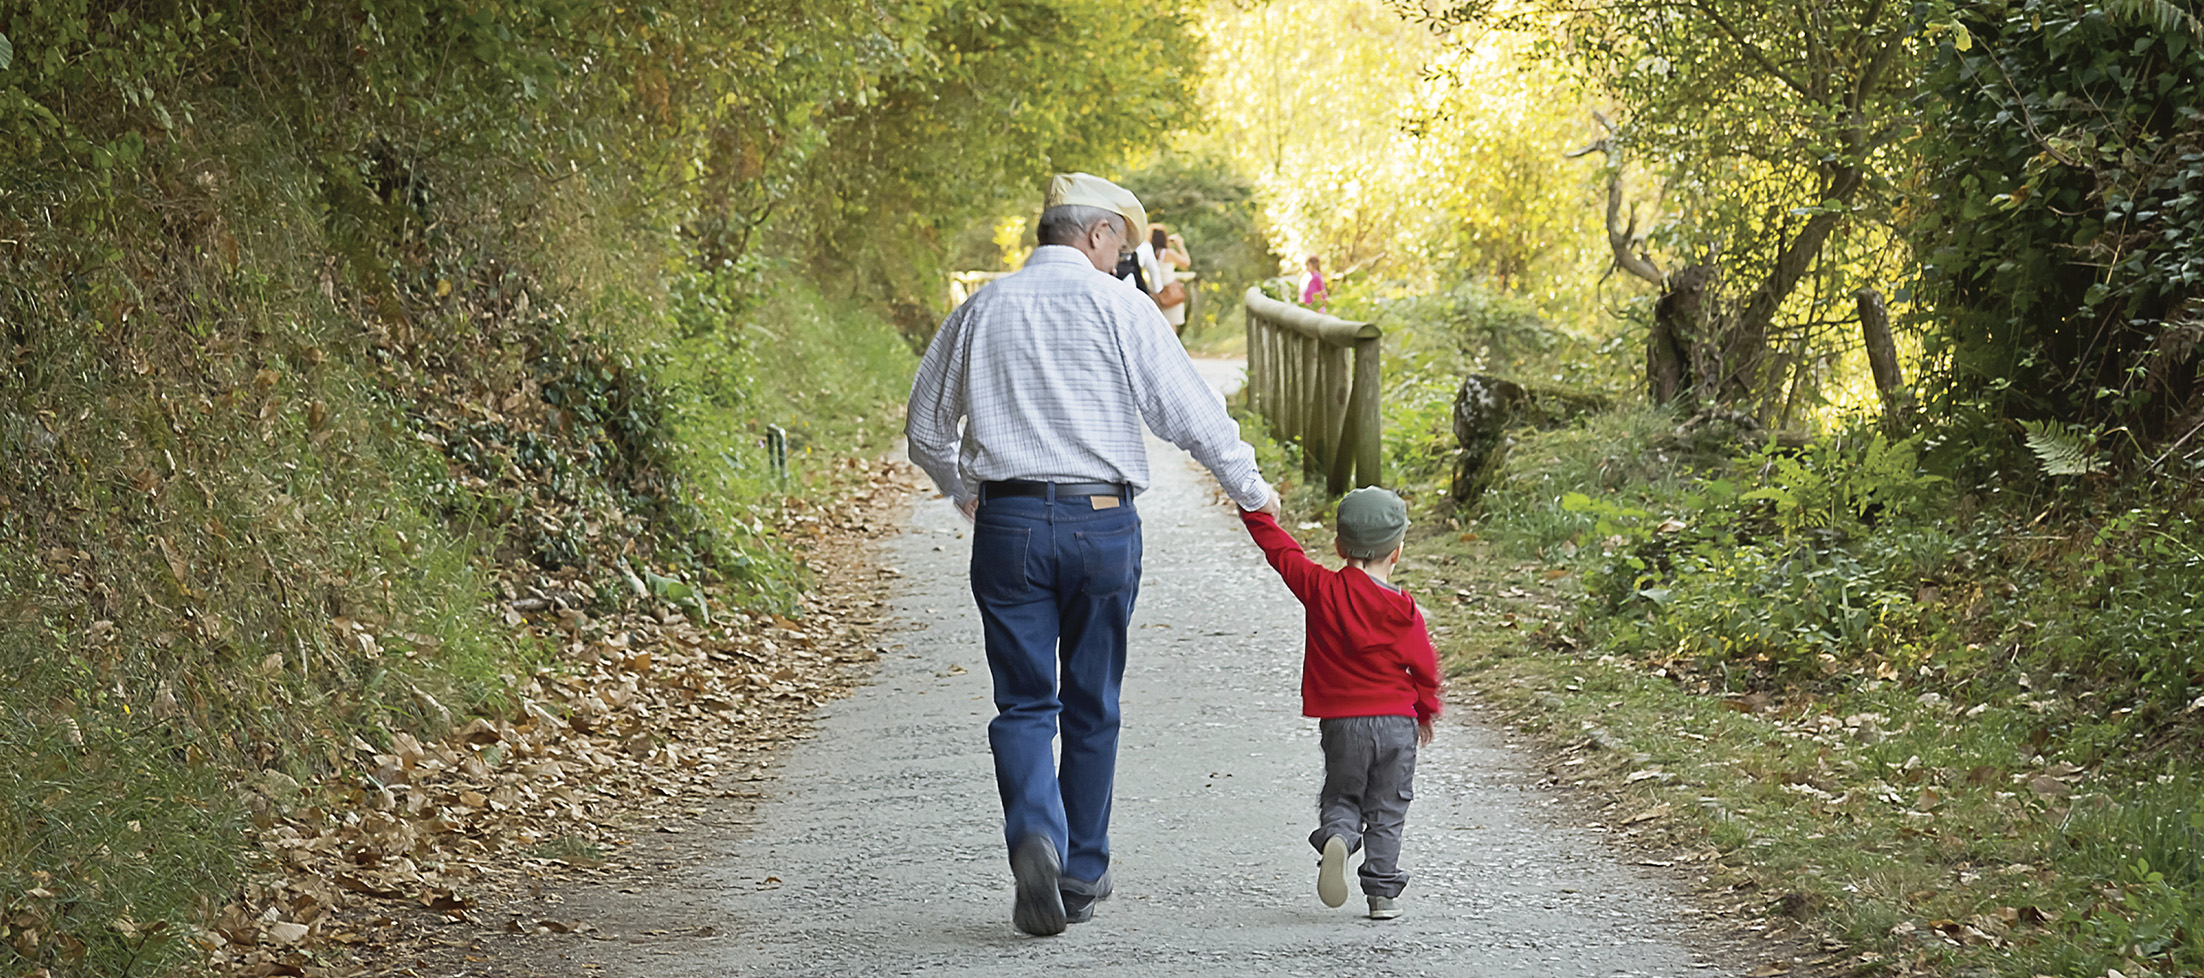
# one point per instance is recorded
(1934, 724)
(252, 518)
(1946, 737)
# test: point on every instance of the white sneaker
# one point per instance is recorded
(1384, 908)
(1331, 873)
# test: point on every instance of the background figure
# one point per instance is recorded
(1171, 256)
(1313, 292)
(1141, 264)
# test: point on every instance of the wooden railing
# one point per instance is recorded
(1300, 376)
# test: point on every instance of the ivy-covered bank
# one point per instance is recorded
(337, 336)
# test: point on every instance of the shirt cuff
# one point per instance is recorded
(1255, 497)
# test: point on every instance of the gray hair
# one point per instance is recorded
(1065, 223)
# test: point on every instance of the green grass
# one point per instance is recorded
(828, 372)
(1989, 778)
(228, 544)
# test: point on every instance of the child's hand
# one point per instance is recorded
(1423, 733)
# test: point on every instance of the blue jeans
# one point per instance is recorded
(1055, 582)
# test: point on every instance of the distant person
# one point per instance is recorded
(1171, 257)
(1371, 677)
(1313, 292)
(1027, 412)
(1141, 265)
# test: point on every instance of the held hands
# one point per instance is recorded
(1271, 506)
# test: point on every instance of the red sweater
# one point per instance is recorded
(1367, 653)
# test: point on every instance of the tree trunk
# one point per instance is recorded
(1672, 357)
(1882, 356)
(1743, 345)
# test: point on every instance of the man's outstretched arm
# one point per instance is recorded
(1181, 408)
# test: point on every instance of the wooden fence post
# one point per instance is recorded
(1366, 414)
(1302, 377)
(1251, 387)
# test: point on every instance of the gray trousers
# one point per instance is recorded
(1369, 778)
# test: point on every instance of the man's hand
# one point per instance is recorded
(970, 508)
(1423, 733)
(1271, 506)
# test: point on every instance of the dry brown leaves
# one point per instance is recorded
(642, 718)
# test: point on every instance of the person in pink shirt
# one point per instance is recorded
(1313, 292)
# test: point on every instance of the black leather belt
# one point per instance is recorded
(1027, 487)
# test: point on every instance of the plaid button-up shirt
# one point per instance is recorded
(1051, 372)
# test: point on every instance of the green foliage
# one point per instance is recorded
(1774, 134)
(1615, 453)
(2063, 237)
(830, 372)
(1400, 155)
(1746, 561)
(106, 841)
(1215, 210)
(2062, 450)
(2154, 911)
(1839, 481)
(1433, 341)
(317, 320)
(990, 100)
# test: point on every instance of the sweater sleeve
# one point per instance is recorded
(1301, 574)
(1422, 663)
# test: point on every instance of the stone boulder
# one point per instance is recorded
(1487, 408)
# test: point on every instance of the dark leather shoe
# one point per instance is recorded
(1039, 871)
(1080, 897)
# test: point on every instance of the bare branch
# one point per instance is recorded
(1621, 237)
(1601, 147)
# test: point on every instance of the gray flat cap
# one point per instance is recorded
(1372, 521)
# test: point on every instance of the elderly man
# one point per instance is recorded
(1051, 372)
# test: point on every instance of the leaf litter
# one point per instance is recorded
(641, 716)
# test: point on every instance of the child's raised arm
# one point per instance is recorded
(1301, 574)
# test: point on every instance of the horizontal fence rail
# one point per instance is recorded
(1300, 376)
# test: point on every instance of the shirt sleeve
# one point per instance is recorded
(1302, 575)
(1182, 408)
(933, 420)
(1422, 664)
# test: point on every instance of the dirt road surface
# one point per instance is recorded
(876, 848)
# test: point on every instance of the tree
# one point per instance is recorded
(992, 98)
(2065, 245)
(1773, 128)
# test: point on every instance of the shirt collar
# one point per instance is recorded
(1054, 254)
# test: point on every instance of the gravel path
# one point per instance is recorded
(880, 852)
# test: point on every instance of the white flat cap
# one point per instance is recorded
(1093, 191)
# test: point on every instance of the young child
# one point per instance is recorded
(1369, 674)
